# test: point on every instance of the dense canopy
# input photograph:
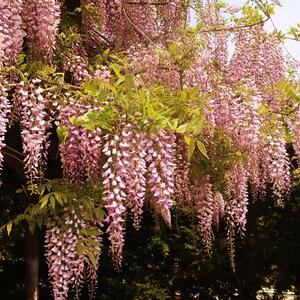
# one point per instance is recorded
(149, 110)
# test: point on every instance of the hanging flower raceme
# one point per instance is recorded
(134, 170)
(41, 20)
(75, 61)
(144, 62)
(294, 126)
(237, 194)
(182, 170)
(116, 20)
(204, 202)
(219, 208)
(216, 41)
(11, 31)
(67, 267)
(258, 57)
(130, 155)
(275, 163)
(5, 108)
(81, 150)
(172, 15)
(31, 104)
(160, 151)
(141, 22)
(114, 195)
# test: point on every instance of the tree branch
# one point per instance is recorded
(234, 28)
(147, 3)
(14, 150)
(13, 156)
(137, 29)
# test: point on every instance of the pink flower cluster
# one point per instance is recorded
(276, 164)
(66, 267)
(237, 193)
(74, 60)
(114, 195)
(5, 108)
(182, 172)
(204, 202)
(219, 208)
(160, 151)
(135, 160)
(41, 20)
(81, 151)
(131, 22)
(294, 126)
(11, 31)
(135, 164)
(31, 104)
(171, 15)
(141, 22)
(116, 21)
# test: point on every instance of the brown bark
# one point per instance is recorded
(32, 265)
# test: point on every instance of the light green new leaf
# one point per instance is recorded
(182, 128)
(44, 201)
(62, 133)
(202, 148)
(116, 70)
(192, 146)
(92, 258)
(9, 228)
(52, 202)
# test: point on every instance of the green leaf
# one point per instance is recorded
(9, 228)
(93, 242)
(44, 201)
(181, 128)
(79, 120)
(116, 69)
(40, 221)
(59, 198)
(52, 202)
(90, 231)
(80, 248)
(192, 145)
(202, 149)
(62, 133)
(32, 226)
(99, 213)
(92, 258)
(110, 87)
(19, 218)
(187, 139)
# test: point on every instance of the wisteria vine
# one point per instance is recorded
(149, 111)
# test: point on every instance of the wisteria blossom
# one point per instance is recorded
(67, 267)
(4, 114)
(151, 113)
(41, 19)
(30, 103)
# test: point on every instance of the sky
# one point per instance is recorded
(285, 17)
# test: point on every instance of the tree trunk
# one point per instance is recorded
(32, 265)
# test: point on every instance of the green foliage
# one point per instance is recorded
(53, 197)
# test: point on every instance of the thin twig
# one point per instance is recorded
(147, 3)
(14, 150)
(13, 156)
(138, 30)
(234, 28)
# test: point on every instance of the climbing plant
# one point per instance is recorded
(165, 103)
